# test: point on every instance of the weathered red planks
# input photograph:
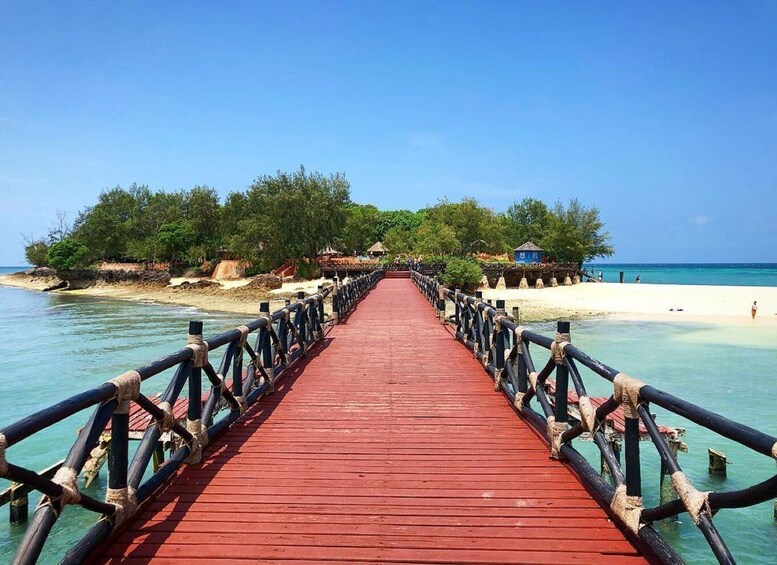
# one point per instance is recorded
(390, 447)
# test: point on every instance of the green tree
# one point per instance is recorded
(462, 273)
(361, 228)
(434, 238)
(288, 216)
(67, 254)
(104, 228)
(398, 240)
(203, 212)
(475, 227)
(35, 252)
(527, 220)
(575, 234)
(174, 239)
(405, 219)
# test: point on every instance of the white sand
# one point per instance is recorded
(644, 301)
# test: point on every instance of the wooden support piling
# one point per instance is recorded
(718, 463)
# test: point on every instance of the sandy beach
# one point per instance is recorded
(229, 297)
(663, 302)
(729, 304)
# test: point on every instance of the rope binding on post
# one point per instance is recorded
(168, 418)
(199, 440)
(694, 500)
(67, 479)
(127, 390)
(587, 414)
(200, 348)
(125, 501)
(557, 347)
(626, 393)
(627, 508)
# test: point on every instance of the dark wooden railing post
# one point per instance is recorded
(631, 453)
(458, 307)
(335, 301)
(265, 343)
(320, 313)
(301, 322)
(562, 377)
(194, 409)
(502, 341)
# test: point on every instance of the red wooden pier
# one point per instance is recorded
(388, 444)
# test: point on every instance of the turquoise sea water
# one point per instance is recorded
(724, 274)
(55, 345)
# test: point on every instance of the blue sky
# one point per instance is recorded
(662, 114)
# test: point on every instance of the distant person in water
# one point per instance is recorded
(601, 277)
(638, 279)
(754, 309)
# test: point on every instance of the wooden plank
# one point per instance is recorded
(390, 447)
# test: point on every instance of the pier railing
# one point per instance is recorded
(507, 352)
(281, 339)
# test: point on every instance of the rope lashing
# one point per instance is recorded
(243, 334)
(587, 414)
(557, 347)
(200, 348)
(518, 402)
(66, 478)
(199, 440)
(533, 380)
(627, 508)
(555, 429)
(269, 378)
(242, 404)
(286, 313)
(125, 501)
(168, 418)
(484, 359)
(518, 340)
(127, 390)
(626, 392)
(268, 321)
(774, 451)
(694, 500)
(222, 383)
(3, 462)
(498, 380)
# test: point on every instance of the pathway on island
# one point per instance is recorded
(388, 445)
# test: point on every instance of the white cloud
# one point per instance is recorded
(701, 220)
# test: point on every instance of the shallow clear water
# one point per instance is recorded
(723, 274)
(55, 345)
(729, 370)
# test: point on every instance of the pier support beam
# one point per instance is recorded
(718, 462)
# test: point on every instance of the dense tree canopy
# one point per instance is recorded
(293, 216)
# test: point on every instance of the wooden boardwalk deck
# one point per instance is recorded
(388, 446)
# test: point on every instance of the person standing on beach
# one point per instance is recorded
(754, 309)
